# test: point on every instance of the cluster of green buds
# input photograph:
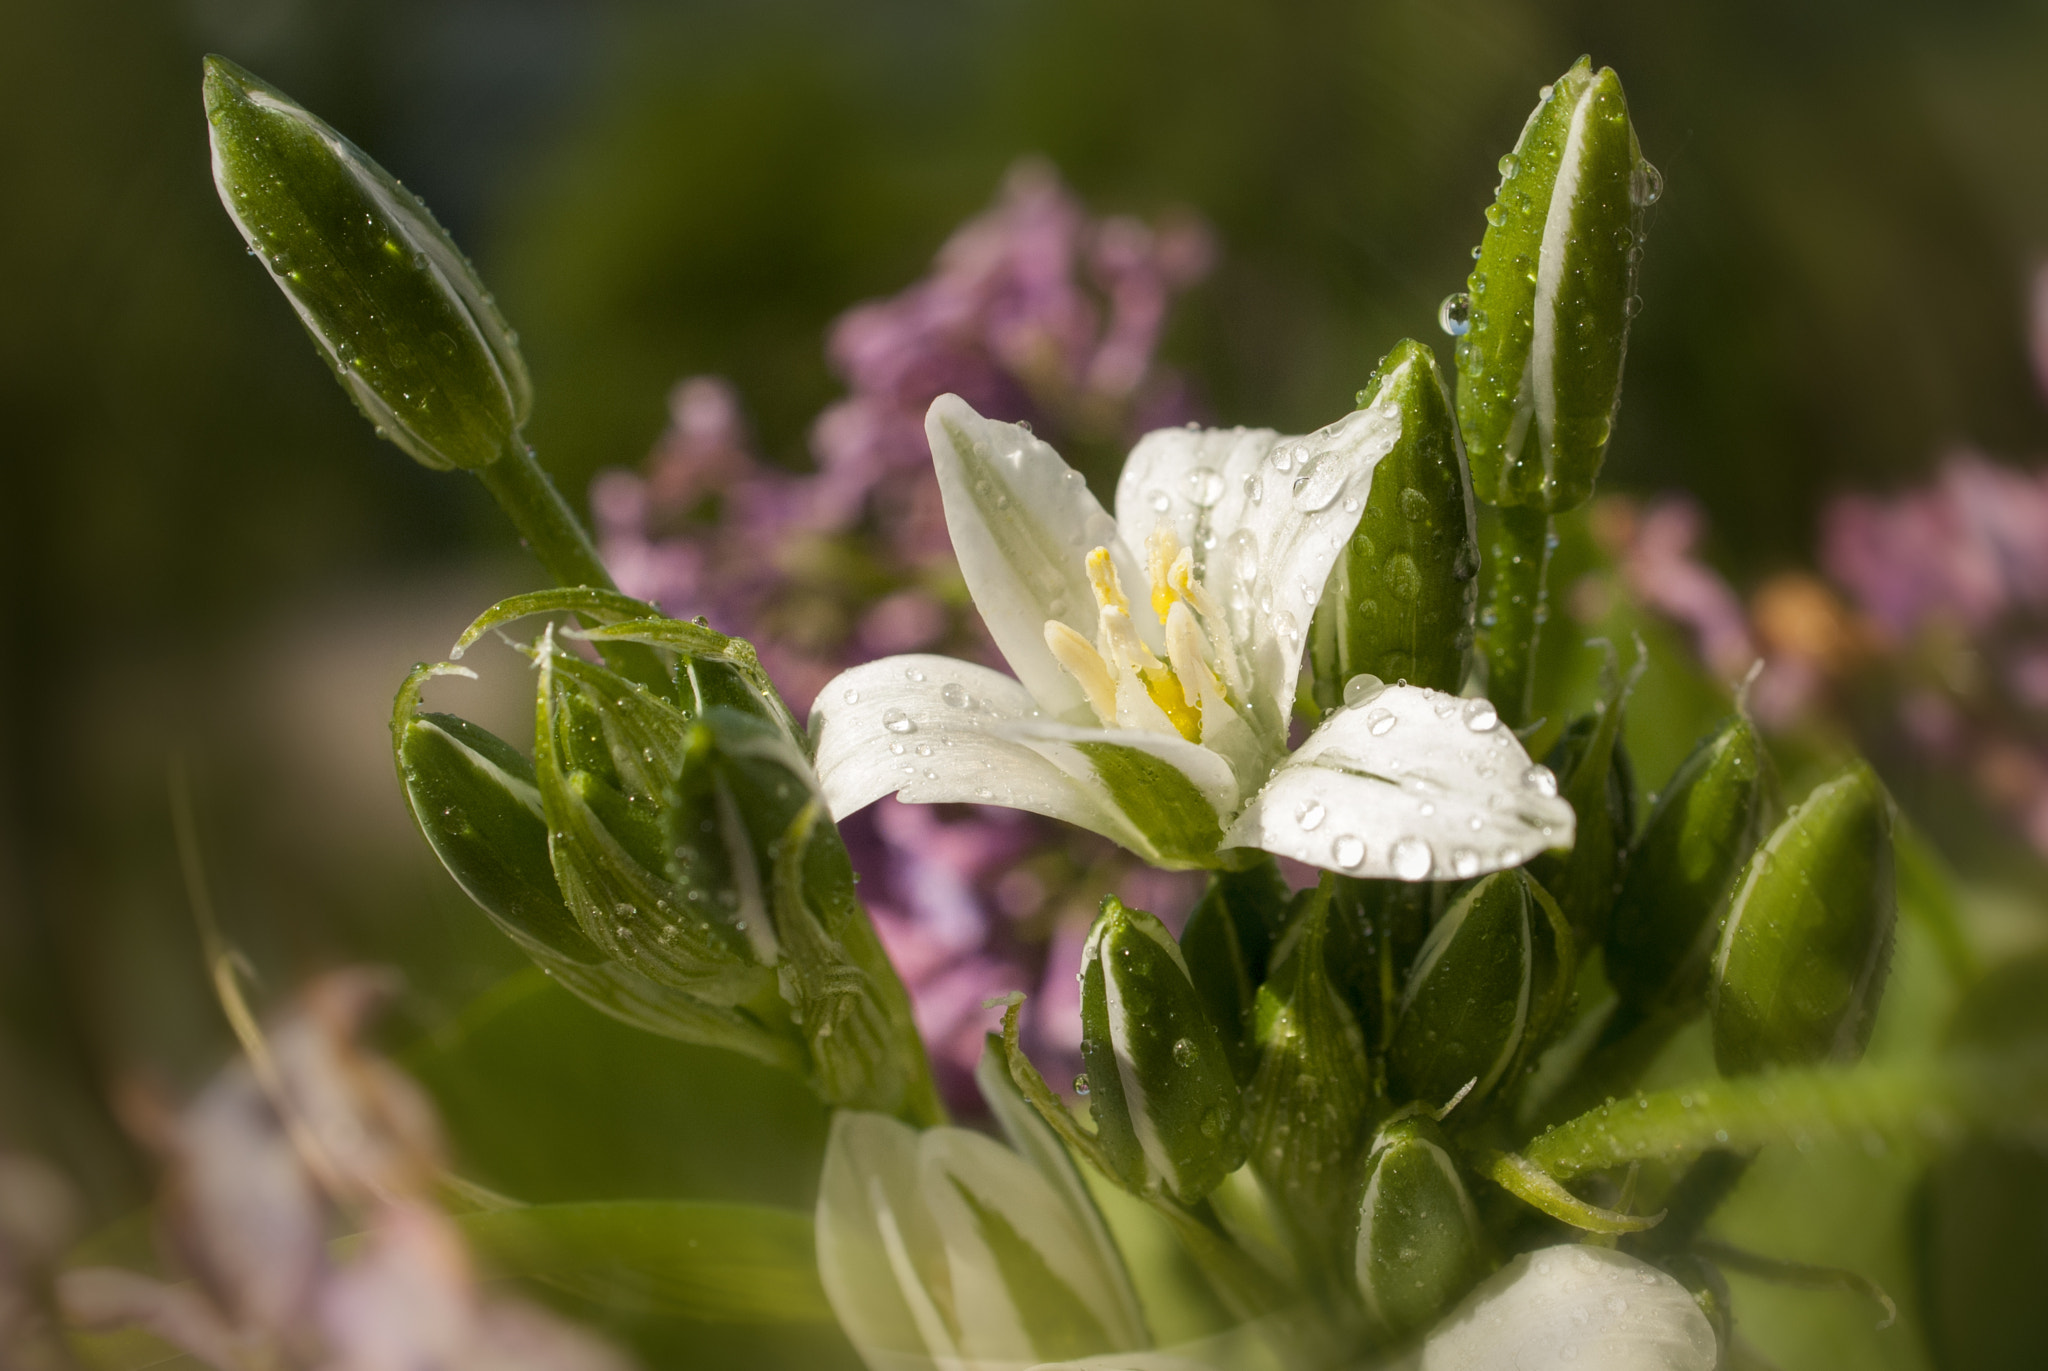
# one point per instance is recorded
(1370, 1100)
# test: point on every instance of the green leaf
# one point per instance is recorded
(718, 1263)
(1399, 601)
(391, 303)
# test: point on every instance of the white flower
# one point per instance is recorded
(946, 1249)
(1156, 657)
(1574, 1308)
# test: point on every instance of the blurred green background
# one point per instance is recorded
(207, 554)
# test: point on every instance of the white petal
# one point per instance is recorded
(993, 1326)
(1411, 784)
(1278, 512)
(1574, 1308)
(1022, 523)
(1170, 797)
(931, 730)
(878, 1251)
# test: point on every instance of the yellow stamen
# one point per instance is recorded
(1165, 688)
(1085, 665)
(1162, 550)
(1109, 592)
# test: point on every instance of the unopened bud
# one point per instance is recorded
(1165, 1099)
(391, 303)
(1682, 868)
(1545, 323)
(1226, 943)
(1469, 995)
(1420, 1246)
(1802, 958)
(1399, 602)
(1592, 770)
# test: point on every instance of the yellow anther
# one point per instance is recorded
(1162, 554)
(1086, 666)
(1109, 593)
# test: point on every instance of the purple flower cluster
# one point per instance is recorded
(1034, 311)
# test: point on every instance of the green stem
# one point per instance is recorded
(1520, 561)
(546, 524)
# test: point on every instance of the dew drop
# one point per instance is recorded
(924, 749)
(851, 697)
(1184, 1051)
(1481, 716)
(913, 675)
(1160, 501)
(1464, 862)
(1309, 813)
(1283, 459)
(1645, 185)
(1348, 851)
(1081, 1084)
(1362, 687)
(1542, 780)
(1509, 165)
(1318, 485)
(954, 694)
(1285, 626)
(1254, 488)
(1380, 722)
(896, 749)
(896, 721)
(1454, 315)
(1204, 486)
(1414, 505)
(1412, 859)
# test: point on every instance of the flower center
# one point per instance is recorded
(1126, 684)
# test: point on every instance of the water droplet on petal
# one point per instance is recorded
(1412, 859)
(1159, 500)
(913, 674)
(1348, 851)
(896, 721)
(1204, 486)
(1362, 687)
(1319, 483)
(851, 697)
(1254, 488)
(1309, 813)
(1379, 722)
(1542, 780)
(954, 694)
(1464, 862)
(1481, 716)
(1454, 315)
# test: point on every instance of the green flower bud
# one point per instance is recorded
(1469, 997)
(1307, 1101)
(1399, 602)
(1683, 866)
(1376, 930)
(1545, 325)
(475, 800)
(392, 305)
(1803, 955)
(1163, 1094)
(1591, 769)
(1226, 944)
(1420, 1246)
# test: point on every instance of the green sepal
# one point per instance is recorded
(1551, 295)
(1226, 943)
(1399, 601)
(1469, 997)
(1802, 959)
(1682, 868)
(1591, 766)
(1173, 825)
(1164, 1097)
(1307, 1104)
(390, 301)
(1420, 1245)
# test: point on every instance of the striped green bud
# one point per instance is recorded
(1162, 1090)
(1545, 324)
(1376, 930)
(1802, 958)
(1226, 944)
(1469, 996)
(1682, 868)
(1307, 1102)
(1399, 602)
(1420, 1246)
(391, 303)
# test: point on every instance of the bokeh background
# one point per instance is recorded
(204, 554)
